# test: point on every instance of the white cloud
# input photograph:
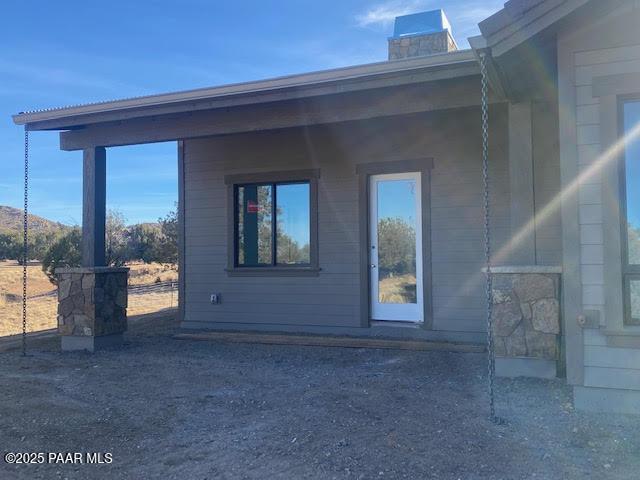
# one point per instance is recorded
(385, 13)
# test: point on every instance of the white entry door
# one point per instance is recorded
(396, 247)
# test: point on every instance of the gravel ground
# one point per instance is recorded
(176, 409)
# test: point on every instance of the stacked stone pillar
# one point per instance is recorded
(526, 320)
(92, 306)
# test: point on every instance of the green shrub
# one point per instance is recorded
(66, 251)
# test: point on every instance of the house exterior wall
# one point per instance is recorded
(593, 284)
(331, 300)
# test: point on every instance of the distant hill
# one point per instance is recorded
(144, 241)
(11, 220)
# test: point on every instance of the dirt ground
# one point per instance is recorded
(176, 409)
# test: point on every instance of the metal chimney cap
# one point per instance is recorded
(432, 21)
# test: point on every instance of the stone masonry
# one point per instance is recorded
(526, 315)
(421, 45)
(92, 302)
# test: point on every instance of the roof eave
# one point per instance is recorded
(518, 22)
(280, 88)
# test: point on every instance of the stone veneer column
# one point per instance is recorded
(421, 44)
(526, 320)
(92, 306)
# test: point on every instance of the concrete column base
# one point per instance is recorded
(526, 367)
(70, 343)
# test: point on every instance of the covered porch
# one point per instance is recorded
(348, 124)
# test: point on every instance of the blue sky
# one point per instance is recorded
(397, 199)
(64, 53)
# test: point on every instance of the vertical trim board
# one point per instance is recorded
(182, 274)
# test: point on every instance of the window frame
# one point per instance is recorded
(630, 272)
(273, 179)
(610, 91)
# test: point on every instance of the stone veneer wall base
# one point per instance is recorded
(526, 320)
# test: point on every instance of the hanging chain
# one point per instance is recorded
(25, 248)
(487, 234)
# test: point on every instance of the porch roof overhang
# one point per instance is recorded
(520, 43)
(343, 94)
(521, 20)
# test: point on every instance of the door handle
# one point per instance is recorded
(373, 266)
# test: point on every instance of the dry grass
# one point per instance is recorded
(41, 312)
(41, 315)
(146, 273)
(151, 302)
(11, 279)
(401, 289)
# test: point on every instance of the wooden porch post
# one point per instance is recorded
(94, 186)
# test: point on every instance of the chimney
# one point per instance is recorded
(421, 34)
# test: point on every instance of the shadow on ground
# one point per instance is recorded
(169, 408)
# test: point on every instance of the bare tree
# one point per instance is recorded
(115, 238)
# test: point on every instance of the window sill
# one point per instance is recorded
(273, 272)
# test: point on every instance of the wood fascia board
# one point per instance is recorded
(515, 25)
(538, 19)
(341, 108)
(268, 91)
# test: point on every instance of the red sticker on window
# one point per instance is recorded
(252, 207)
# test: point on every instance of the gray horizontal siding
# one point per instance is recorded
(625, 378)
(203, 282)
(602, 356)
(332, 298)
(604, 366)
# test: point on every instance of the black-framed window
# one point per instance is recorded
(273, 224)
(630, 208)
